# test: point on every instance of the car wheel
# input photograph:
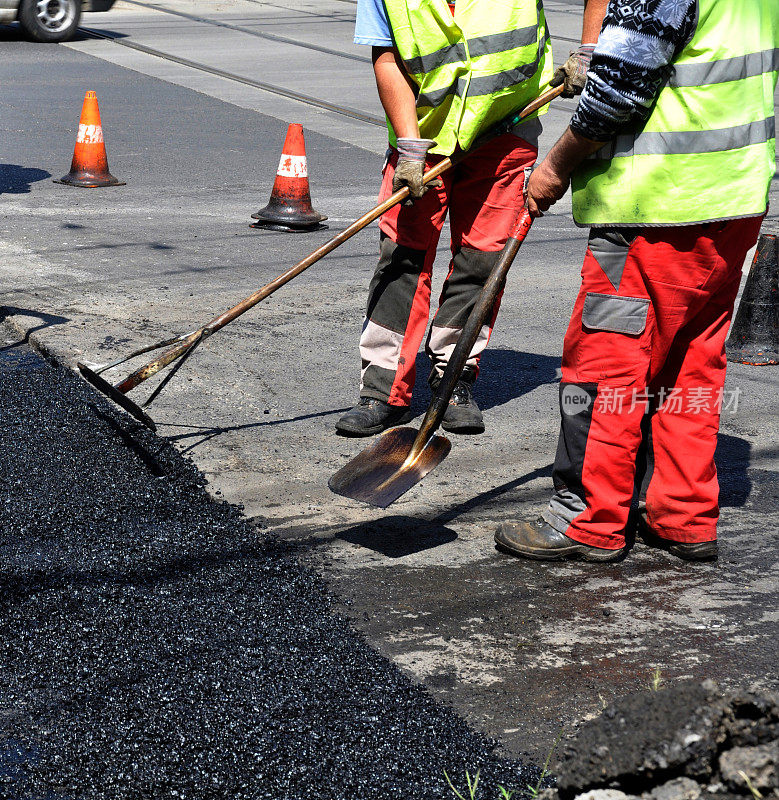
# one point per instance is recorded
(49, 20)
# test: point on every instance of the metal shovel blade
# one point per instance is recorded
(380, 474)
(122, 400)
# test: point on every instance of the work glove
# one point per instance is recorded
(411, 167)
(573, 74)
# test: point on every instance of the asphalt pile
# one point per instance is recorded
(155, 644)
(685, 742)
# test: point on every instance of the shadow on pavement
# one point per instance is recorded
(507, 374)
(106, 245)
(398, 536)
(486, 498)
(47, 320)
(208, 433)
(82, 35)
(401, 535)
(16, 179)
(392, 537)
(503, 376)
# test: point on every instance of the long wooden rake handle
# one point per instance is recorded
(187, 342)
(178, 349)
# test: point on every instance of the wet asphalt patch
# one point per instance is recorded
(155, 644)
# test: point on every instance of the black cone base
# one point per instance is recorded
(275, 226)
(87, 181)
(292, 212)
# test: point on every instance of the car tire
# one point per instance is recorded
(49, 20)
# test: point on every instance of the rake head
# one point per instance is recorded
(122, 400)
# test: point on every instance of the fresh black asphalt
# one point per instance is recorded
(154, 644)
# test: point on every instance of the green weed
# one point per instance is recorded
(534, 790)
(657, 680)
(752, 788)
(471, 784)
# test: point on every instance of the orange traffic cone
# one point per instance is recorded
(89, 167)
(754, 337)
(290, 208)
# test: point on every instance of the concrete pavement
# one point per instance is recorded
(89, 274)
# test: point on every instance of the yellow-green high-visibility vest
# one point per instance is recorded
(707, 150)
(472, 68)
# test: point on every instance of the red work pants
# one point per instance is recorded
(483, 195)
(647, 333)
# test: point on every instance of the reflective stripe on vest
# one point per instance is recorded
(486, 85)
(727, 69)
(472, 69)
(479, 46)
(707, 150)
(650, 143)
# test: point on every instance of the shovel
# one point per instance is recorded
(181, 347)
(401, 457)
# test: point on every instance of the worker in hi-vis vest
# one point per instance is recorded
(670, 154)
(445, 74)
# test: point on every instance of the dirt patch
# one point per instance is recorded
(682, 743)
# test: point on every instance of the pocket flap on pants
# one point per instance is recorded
(607, 312)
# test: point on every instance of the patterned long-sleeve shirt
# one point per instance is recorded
(637, 45)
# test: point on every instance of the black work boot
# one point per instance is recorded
(462, 415)
(541, 541)
(371, 416)
(689, 551)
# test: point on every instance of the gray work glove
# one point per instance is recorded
(411, 167)
(573, 74)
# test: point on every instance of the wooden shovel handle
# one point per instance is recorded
(470, 333)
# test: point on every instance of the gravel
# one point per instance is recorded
(154, 643)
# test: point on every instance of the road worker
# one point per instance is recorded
(446, 74)
(670, 154)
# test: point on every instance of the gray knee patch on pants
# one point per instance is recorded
(395, 280)
(470, 270)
